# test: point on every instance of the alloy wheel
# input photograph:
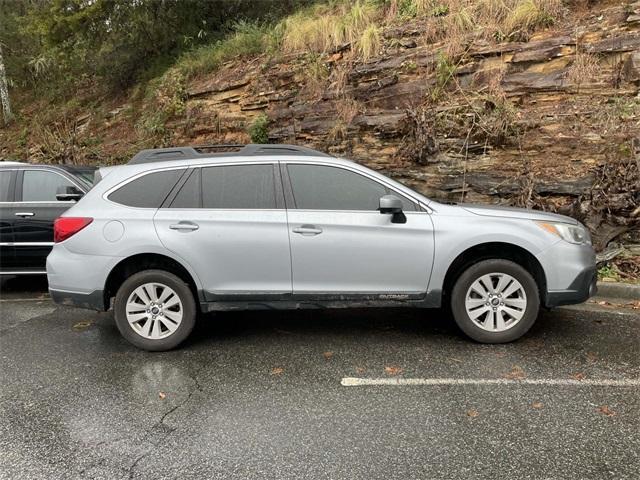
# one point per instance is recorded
(496, 302)
(154, 311)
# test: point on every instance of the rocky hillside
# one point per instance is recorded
(552, 122)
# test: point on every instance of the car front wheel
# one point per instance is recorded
(495, 301)
(155, 310)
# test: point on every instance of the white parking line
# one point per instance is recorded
(568, 382)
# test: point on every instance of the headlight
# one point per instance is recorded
(575, 234)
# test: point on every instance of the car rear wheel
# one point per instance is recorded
(155, 310)
(495, 301)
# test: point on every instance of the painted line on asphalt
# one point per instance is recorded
(568, 382)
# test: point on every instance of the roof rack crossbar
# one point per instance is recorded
(195, 152)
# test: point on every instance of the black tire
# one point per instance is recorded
(181, 289)
(474, 272)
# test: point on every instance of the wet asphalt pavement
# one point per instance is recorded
(258, 395)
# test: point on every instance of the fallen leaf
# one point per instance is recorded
(392, 370)
(592, 357)
(516, 373)
(81, 325)
(500, 354)
(162, 395)
(360, 370)
(327, 355)
(578, 376)
(605, 410)
(537, 405)
(455, 360)
(472, 413)
(277, 371)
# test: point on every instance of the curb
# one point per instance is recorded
(619, 290)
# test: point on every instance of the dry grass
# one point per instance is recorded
(348, 109)
(491, 19)
(370, 41)
(528, 15)
(585, 67)
(323, 29)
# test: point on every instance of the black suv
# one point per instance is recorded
(31, 198)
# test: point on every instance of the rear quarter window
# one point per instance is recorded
(147, 191)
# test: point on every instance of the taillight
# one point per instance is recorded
(65, 227)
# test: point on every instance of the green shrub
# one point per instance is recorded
(259, 129)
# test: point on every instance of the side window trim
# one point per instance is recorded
(18, 190)
(290, 199)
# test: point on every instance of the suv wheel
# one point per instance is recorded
(155, 310)
(495, 301)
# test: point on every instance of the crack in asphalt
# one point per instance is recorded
(197, 387)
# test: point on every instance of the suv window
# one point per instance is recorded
(239, 186)
(148, 191)
(189, 194)
(42, 186)
(5, 181)
(318, 187)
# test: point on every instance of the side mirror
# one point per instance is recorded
(393, 205)
(69, 193)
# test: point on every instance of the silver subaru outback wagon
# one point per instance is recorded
(177, 232)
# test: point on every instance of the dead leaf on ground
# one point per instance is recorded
(360, 370)
(277, 371)
(537, 405)
(81, 325)
(455, 360)
(578, 376)
(472, 413)
(500, 354)
(592, 357)
(392, 370)
(327, 355)
(516, 373)
(605, 410)
(162, 395)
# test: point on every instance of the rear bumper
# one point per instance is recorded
(93, 300)
(583, 287)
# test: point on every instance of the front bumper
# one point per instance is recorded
(582, 288)
(570, 273)
(94, 300)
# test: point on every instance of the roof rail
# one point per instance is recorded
(204, 151)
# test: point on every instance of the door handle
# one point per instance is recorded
(25, 214)
(188, 226)
(307, 230)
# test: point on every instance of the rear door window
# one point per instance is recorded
(239, 187)
(147, 191)
(189, 194)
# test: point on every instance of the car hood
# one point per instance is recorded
(512, 212)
